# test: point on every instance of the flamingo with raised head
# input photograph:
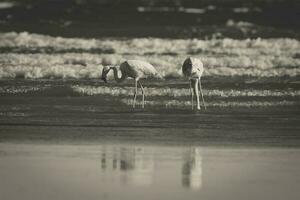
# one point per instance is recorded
(192, 68)
(135, 69)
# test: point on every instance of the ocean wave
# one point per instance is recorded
(177, 92)
(152, 45)
(39, 56)
(86, 65)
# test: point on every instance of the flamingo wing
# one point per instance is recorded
(141, 69)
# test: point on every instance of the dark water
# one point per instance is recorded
(52, 110)
(171, 19)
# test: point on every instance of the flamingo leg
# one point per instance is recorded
(135, 93)
(200, 87)
(143, 94)
(196, 90)
(192, 94)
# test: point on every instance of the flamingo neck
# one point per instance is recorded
(116, 76)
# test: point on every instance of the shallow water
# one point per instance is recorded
(261, 116)
(146, 171)
(57, 142)
(66, 139)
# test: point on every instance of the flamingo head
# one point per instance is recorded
(105, 71)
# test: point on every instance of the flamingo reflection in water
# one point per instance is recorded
(134, 165)
(192, 169)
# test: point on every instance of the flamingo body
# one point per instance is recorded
(135, 69)
(192, 68)
(138, 69)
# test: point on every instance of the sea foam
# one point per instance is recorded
(225, 104)
(40, 56)
(178, 92)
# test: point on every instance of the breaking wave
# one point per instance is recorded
(33, 56)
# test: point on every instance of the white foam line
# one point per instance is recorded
(192, 10)
(20, 89)
(172, 9)
(90, 65)
(5, 5)
(174, 92)
(241, 10)
(13, 114)
(276, 46)
(176, 103)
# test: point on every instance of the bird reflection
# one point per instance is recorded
(103, 161)
(192, 169)
(135, 164)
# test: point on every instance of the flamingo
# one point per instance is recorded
(135, 69)
(192, 68)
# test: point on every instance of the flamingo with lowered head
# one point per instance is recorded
(192, 68)
(135, 69)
